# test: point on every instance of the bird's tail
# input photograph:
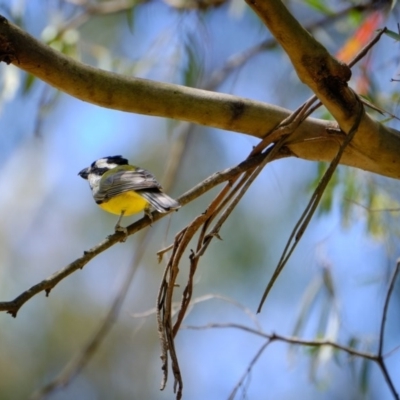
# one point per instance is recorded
(160, 201)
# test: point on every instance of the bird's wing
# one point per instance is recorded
(115, 183)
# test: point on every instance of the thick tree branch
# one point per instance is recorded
(375, 147)
(327, 78)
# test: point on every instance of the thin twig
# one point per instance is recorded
(380, 357)
(386, 307)
(287, 339)
(388, 379)
(373, 210)
(306, 216)
(248, 369)
(363, 52)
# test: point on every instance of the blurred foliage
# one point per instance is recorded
(393, 35)
(359, 194)
(194, 68)
(320, 6)
(48, 217)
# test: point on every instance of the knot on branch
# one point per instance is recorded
(7, 52)
(328, 77)
(338, 91)
(8, 56)
(322, 67)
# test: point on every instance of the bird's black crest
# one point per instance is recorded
(119, 160)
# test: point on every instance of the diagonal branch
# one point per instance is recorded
(326, 76)
(48, 284)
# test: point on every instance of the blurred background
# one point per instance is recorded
(335, 283)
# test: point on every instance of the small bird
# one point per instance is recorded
(124, 189)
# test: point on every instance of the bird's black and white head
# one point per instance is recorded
(99, 167)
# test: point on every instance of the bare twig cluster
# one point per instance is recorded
(222, 205)
(218, 210)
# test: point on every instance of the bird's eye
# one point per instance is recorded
(100, 171)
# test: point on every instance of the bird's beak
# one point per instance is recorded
(84, 173)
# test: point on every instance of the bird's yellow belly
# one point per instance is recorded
(129, 202)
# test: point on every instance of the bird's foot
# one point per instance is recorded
(149, 215)
(119, 228)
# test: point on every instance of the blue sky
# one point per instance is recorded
(49, 218)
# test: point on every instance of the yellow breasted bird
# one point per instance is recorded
(124, 189)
